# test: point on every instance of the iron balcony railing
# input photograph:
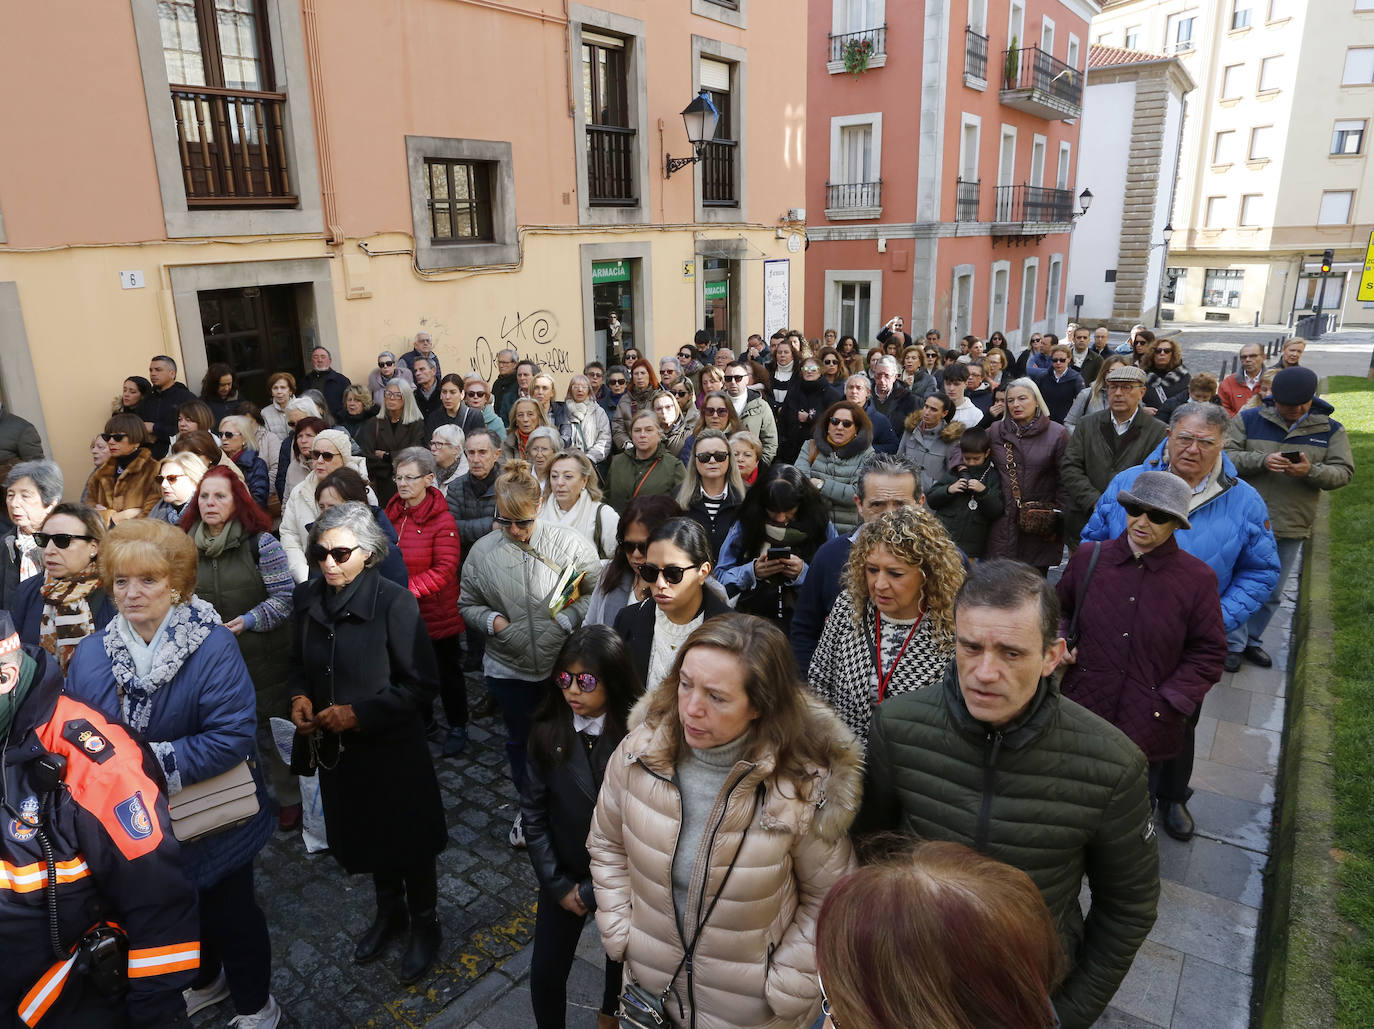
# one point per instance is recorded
(232, 147)
(718, 173)
(848, 195)
(1034, 204)
(877, 36)
(1031, 68)
(975, 55)
(610, 166)
(966, 201)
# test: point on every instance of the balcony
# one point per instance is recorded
(966, 200)
(877, 55)
(1023, 212)
(975, 59)
(853, 200)
(718, 173)
(232, 147)
(1038, 84)
(610, 166)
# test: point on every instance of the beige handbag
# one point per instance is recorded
(215, 804)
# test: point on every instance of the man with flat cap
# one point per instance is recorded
(1290, 449)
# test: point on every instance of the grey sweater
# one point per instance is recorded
(701, 775)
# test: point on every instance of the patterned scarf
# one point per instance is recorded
(67, 618)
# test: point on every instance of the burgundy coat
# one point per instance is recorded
(1039, 455)
(428, 538)
(1151, 639)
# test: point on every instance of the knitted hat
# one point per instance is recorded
(1160, 491)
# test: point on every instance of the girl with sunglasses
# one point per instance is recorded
(713, 491)
(123, 487)
(620, 582)
(842, 441)
(580, 720)
(678, 573)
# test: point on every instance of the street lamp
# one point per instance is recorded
(700, 117)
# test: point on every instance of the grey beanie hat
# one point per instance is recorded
(1160, 491)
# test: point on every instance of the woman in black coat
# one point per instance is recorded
(580, 721)
(363, 674)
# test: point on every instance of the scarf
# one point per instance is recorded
(67, 618)
(230, 536)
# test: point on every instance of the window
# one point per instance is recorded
(1230, 81)
(1348, 137)
(1214, 215)
(1222, 144)
(458, 195)
(856, 145)
(1270, 70)
(718, 178)
(1179, 32)
(1133, 37)
(1359, 66)
(1335, 208)
(1262, 143)
(1250, 209)
(1173, 281)
(462, 202)
(1221, 287)
(1240, 14)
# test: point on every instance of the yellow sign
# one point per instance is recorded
(689, 271)
(1366, 292)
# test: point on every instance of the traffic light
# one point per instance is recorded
(1327, 257)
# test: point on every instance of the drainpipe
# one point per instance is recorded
(334, 235)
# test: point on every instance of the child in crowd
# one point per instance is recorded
(968, 499)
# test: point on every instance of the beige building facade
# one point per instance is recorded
(1275, 163)
(247, 184)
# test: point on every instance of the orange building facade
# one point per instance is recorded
(942, 149)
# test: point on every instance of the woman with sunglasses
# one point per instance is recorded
(842, 441)
(646, 468)
(398, 426)
(236, 440)
(639, 397)
(574, 732)
(717, 412)
(713, 491)
(509, 587)
(620, 583)
(66, 603)
(363, 675)
(807, 398)
(178, 475)
(124, 487)
(330, 450)
(573, 500)
(677, 570)
(721, 825)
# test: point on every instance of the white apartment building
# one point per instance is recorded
(1275, 159)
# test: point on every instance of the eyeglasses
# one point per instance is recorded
(62, 539)
(842, 423)
(114, 437)
(712, 455)
(317, 553)
(586, 681)
(1185, 439)
(519, 523)
(635, 546)
(673, 573)
(386, 364)
(1156, 517)
(170, 479)
(405, 480)
(735, 378)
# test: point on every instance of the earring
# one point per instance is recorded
(176, 597)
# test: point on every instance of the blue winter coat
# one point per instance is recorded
(26, 608)
(1230, 532)
(208, 713)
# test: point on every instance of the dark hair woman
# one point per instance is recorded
(219, 389)
(124, 487)
(581, 719)
(677, 570)
(620, 583)
(783, 510)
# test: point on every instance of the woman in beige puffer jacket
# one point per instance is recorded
(792, 778)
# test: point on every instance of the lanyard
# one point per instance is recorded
(883, 680)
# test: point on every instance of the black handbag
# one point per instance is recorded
(642, 1009)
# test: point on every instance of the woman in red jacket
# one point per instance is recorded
(428, 538)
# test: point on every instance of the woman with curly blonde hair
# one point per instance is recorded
(892, 627)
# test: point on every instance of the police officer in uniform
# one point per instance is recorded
(98, 924)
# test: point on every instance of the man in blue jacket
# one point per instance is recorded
(1230, 531)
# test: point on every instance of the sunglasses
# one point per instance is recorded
(841, 423)
(172, 479)
(114, 437)
(712, 455)
(1156, 517)
(635, 546)
(323, 455)
(519, 523)
(386, 364)
(62, 539)
(673, 573)
(318, 553)
(586, 681)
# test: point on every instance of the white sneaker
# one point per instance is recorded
(517, 831)
(199, 1000)
(268, 1018)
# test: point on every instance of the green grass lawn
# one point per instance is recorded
(1352, 595)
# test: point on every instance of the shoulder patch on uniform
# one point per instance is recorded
(83, 736)
(134, 818)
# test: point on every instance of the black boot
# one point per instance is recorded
(421, 947)
(390, 922)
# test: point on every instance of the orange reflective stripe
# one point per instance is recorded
(29, 878)
(39, 999)
(150, 961)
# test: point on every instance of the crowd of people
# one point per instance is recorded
(749, 620)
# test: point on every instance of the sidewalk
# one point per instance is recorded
(1194, 970)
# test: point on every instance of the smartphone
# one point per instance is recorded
(1291, 455)
(779, 553)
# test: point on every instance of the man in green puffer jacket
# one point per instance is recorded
(996, 759)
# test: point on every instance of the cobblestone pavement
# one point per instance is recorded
(316, 913)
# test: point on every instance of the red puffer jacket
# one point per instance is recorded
(429, 543)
